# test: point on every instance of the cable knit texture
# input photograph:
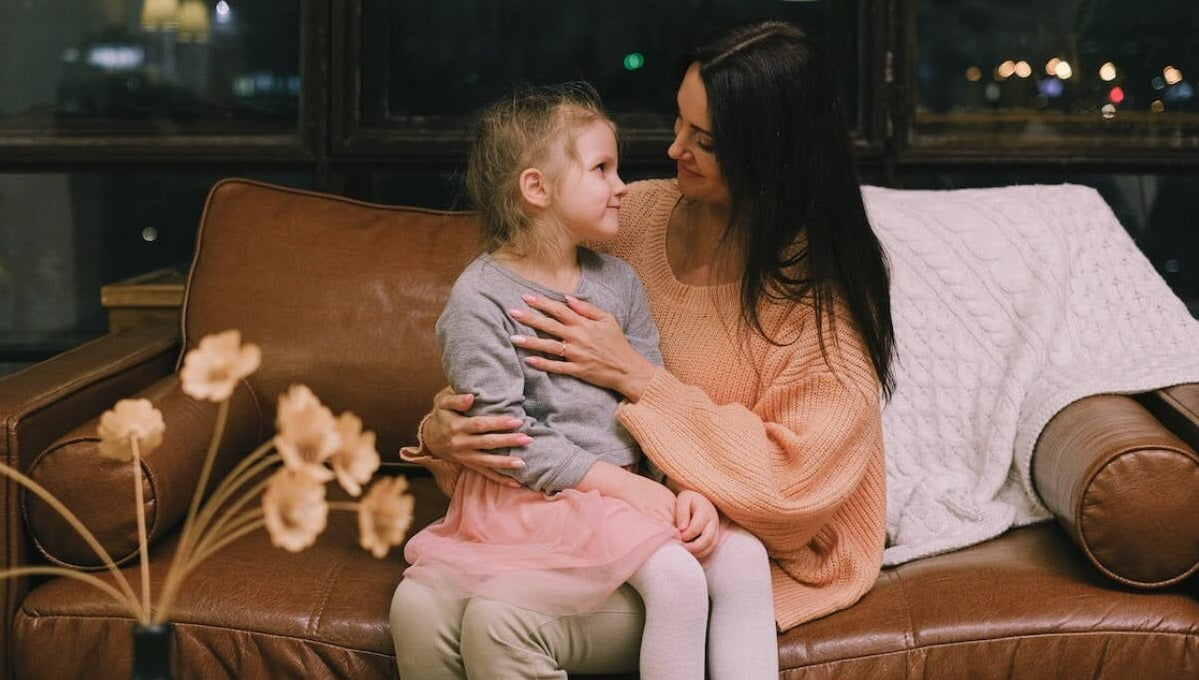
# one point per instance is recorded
(1009, 304)
(787, 445)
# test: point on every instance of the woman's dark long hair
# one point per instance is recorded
(796, 208)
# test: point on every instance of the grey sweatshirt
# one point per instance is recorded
(572, 422)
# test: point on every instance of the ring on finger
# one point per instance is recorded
(562, 350)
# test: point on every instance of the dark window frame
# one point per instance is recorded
(331, 141)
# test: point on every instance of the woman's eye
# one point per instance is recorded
(706, 146)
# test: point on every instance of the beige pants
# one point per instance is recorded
(504, 642)
(442, 639)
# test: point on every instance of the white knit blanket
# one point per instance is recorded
(1008, 304)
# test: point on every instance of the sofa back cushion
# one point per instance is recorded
(341, 295)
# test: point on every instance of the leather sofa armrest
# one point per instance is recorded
(100, 490)
(1177, 408)
(1124, 487)
(43, 401)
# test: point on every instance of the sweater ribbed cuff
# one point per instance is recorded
(444, 472)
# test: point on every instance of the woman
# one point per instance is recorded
(771, 295)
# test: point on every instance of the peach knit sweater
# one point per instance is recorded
(785, 444)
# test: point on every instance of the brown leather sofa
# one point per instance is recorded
(342, 296)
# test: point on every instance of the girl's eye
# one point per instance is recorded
(601, 167)
(706, 146)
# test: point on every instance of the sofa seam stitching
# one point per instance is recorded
(1080, 633)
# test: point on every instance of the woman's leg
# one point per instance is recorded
(742, 636)
(501, 641)
(675, 591)
(426, 629)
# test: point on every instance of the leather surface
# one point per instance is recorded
(41, 402)
(105, 496)
(1124, 487)
(1177, 408)
(341, 296)
(1026, 605)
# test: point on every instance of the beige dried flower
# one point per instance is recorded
(356, 459)
(384, 515)
(294, 509)
(308, 433)
(127, 419)
(212, 370)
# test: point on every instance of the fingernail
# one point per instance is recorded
(515, 313)
(517, 339)
(524, 439)
(532, 361)
(514, 422)
(529, 298)
(571, 298)
(518, 464)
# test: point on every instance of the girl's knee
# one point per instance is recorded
(742, 546)
(671, 575)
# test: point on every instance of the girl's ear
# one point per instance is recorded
(535, 188)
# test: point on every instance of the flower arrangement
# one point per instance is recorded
(311, 445)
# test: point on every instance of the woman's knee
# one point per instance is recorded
(491, 626)
(422, 623)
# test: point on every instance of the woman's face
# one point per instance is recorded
(698, 172)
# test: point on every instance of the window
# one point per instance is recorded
(1115, 76)
(152, 68)
(424, 66)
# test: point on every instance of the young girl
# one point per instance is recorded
(581, 521)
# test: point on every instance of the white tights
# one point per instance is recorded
(439, 638)
(740, 635)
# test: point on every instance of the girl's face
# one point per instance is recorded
(588, 191)
(699, 174)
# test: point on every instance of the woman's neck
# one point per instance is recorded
(551, 261)
(695, 244)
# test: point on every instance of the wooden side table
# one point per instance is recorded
(153, 297)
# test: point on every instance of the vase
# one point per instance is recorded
(151, 652)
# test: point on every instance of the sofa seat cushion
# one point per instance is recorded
(1025, 605)
(250, 611)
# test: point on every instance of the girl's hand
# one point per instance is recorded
(648, 496)
(589, 345)
(698, 523)
(469, 440)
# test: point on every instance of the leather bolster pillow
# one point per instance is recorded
(100, 490)
(1124, 487)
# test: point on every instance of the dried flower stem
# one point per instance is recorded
(232, 482)
(175, 574)
(222, 525)
(130, 599)
(196, 550)
(106, 588)
(143, 549)
(214, 443)
(233, 536)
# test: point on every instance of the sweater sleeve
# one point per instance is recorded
(781, 468)
(445, 473)
(478, 357)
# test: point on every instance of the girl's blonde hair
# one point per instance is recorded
(525, 130)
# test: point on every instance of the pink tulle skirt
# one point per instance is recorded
(561, 554)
